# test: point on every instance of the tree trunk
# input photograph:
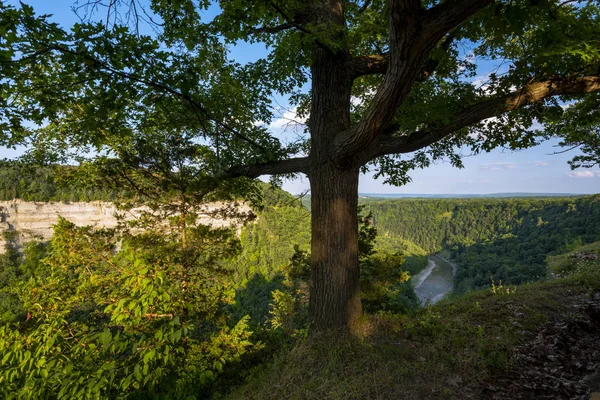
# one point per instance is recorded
(183, 231)
(334, 291)
(335, 274)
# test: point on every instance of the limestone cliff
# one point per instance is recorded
(34, 220)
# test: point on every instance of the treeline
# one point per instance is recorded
(505, 240)
(49, 183)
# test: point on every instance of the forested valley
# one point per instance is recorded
(121, 314)
(504, 240)
(171, 110)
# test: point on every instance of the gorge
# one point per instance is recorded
(34, 220)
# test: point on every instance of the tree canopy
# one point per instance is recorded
(390, 90)
(103, 80)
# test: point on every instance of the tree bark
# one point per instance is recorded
(335, 275)
(335, 290)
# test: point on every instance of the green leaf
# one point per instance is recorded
(149, 355)
(137, 372)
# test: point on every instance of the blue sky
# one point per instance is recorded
(531, 170)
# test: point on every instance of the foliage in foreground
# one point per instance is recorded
(114, 314)
(580, 262)
(142, 321)
(276, 256)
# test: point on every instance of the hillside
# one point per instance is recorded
(490, 239)
(501, 239)
(463, 196)
(532, 341)
(33, 197)
(50, 183)
(147, 316)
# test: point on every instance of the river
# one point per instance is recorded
(435, 281)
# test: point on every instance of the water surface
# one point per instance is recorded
(435, 281)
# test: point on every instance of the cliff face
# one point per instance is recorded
(34, 220)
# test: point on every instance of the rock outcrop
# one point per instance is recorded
(34, 220)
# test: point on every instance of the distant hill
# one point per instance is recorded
(378, 196)
(465, 196)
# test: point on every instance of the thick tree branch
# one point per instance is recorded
(432, 63)
(407, 54)
(370, 64)
(378, 63)
(289, 166)
(532, 93)
(449, 14)
(414, 32)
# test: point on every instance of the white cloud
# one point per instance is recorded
(483, 83)
(476, 181)
(539, 163)
(568, 104)
(356, 101)
(490, 120)
(288, 119)
(498, 166)
(584, 174)
(480, 81)
(502, 166)
(479, 135)
(468, 58)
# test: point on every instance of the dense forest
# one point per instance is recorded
(504, 240)
(49, 183)
(489, 239)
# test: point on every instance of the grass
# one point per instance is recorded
(445, 351)
(577, 263)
